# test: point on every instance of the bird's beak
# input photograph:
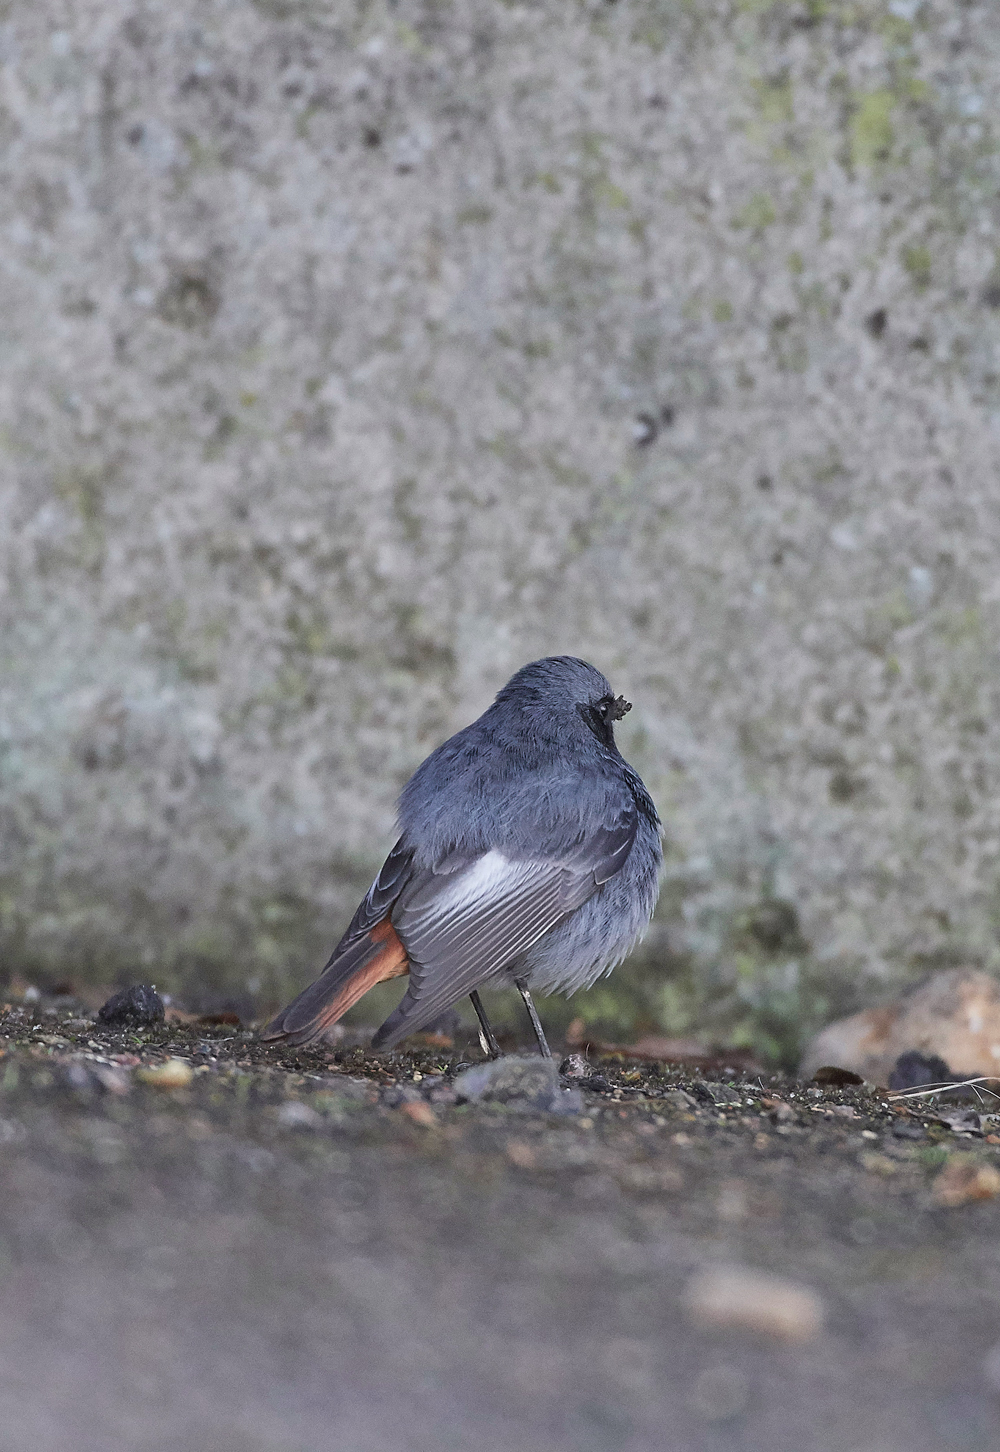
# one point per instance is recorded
(619, 708)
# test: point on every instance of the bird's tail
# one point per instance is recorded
(374, 957)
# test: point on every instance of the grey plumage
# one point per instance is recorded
(528, 849)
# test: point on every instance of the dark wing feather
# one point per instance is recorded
(377, 902)
(463, 927)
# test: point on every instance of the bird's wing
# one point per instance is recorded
(462, 926)
(393, 876)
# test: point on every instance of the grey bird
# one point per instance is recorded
(528, 855)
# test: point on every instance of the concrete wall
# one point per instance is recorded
(355, 353)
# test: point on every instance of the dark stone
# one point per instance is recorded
(908, 1129)
(833, 1075)
(137, 1006)
(914, 1070)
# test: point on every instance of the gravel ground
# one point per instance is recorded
(315, 1250)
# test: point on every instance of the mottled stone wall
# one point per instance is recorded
(355, 353)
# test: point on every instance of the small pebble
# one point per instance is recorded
(522, 1155)
(111, 1078)
(293, 1114)
(963, 1180)
(575, 1066)
(749, 1300)
(174, 1074)
(522, 1082)
(420, 1112)
(76, 1077)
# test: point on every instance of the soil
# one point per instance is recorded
(321, 1249)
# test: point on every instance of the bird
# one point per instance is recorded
(528, 855)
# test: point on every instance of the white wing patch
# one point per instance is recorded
(490, 876)
(490, 898)
(487, 914)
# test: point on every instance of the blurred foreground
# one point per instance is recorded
(324, 1251)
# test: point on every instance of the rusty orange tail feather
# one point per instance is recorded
(377, 957)
(391, 962)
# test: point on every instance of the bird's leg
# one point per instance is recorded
(536, 1023)
(487, 1037)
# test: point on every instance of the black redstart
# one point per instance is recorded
(528, 854)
